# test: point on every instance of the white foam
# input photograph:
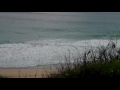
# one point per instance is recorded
(42, 52)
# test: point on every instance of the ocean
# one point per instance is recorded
(40, 38)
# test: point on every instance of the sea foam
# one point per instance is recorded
(44, 52)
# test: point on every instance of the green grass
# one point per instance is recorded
(93, 71)
(1, 76)
(103, 63)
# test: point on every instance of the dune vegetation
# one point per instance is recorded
(102, 63)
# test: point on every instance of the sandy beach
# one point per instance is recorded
(29, 72)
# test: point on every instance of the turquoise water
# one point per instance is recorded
(27, 38)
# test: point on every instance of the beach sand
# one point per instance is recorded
(28, 72)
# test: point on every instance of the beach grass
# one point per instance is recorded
(1, 76)
(102, 63)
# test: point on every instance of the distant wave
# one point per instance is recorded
(19, 33)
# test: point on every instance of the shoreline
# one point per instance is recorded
(26, 72)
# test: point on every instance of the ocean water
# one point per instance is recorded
(32, 38)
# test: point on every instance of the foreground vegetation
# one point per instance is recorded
(101, 63)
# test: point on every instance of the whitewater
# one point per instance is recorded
(29, 39)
